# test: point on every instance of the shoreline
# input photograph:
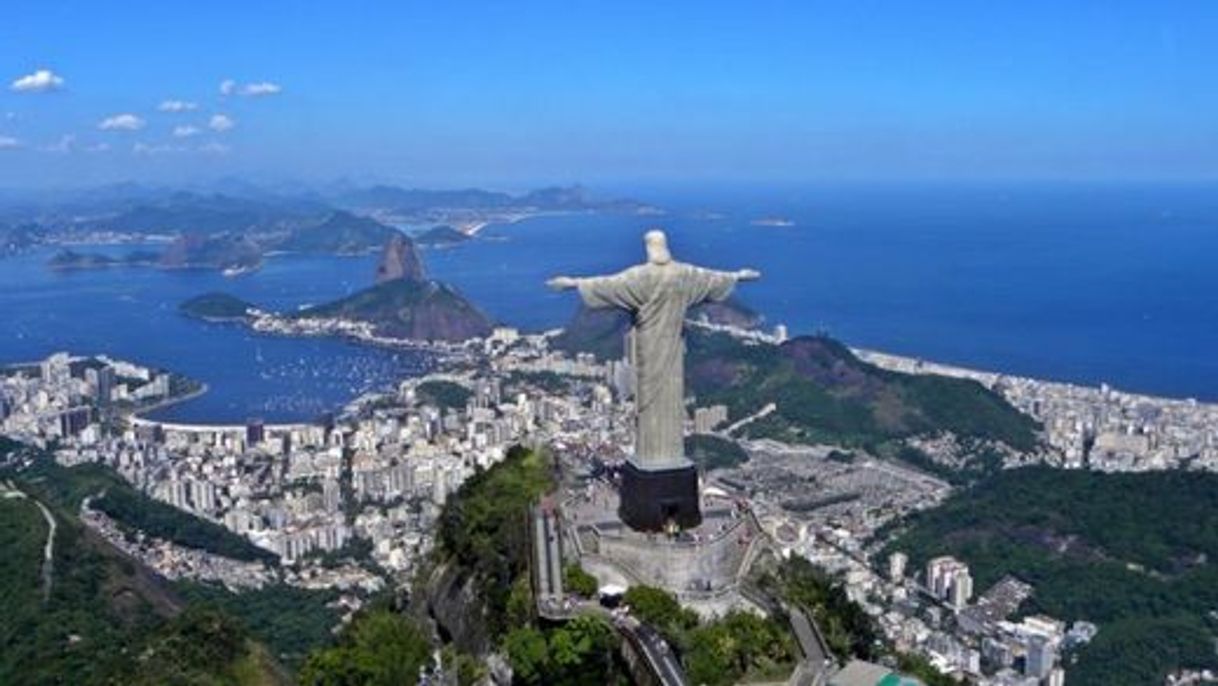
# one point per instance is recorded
(170, 402)
(917, 365)
(352, 333)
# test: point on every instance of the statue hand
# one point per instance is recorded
(562, 283)
(748, 275)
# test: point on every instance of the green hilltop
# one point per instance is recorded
(341, 233)
(107, 619)
(441, 236)
(404, 308)
(216, 306)
(823, 392)
(1134, 553)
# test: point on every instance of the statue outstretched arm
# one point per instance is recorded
(705, 284)
(616, 290)
(563, 283)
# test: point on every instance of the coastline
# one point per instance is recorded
(361, 333)
(170, 402)
(917, 365)
(1098, 428)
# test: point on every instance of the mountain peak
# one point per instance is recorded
(400, 260)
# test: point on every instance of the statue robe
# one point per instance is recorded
(657, 297)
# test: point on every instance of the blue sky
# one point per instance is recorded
(513, 94)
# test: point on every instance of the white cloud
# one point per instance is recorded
(221, 123)
(261, 88)
(214, 149)
(155, 149)
(65, 144)
(254, 89)
(9, 143)
(41, 81)
(121, 122)
(97, 147)
(176, 149)
(177, 106)
(186, 131)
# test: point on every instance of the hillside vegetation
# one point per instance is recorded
(484, 528)
(341, 233)
(401, 308)
(216, 306)
(825, 394)
(107, 619)
(133, 510)
(1134, 553)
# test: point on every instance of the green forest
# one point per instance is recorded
(134, 510)
(1133, 553)
(106, 619)
(825, 394)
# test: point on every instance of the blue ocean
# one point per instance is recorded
(1081, 283)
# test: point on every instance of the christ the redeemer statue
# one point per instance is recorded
(657, 295)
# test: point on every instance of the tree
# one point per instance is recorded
(657, 607)
(483, 528)
(528, 654)
(738, 645)
(469, 669)
(520, 610)
(660, 609)
(847, 628)
(580, 652)
(380, 648)
(579, 582)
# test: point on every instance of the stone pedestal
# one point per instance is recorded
(652, 498)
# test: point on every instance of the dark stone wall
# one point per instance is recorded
(650, 499)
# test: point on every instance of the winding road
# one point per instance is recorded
(48, 550)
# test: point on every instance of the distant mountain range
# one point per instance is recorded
(233, 215)
(236, 205)
(340, 233)
(441, 236)
(410, 200)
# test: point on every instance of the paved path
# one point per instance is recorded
(763, 412)
(659, 656)
(48, 550)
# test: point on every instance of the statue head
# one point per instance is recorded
(657, 247)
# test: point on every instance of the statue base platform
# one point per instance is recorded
(655, 499)
(702, 566)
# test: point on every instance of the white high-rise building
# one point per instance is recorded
(896, 566)
(948, 578)
(1042, 655)
(707, 418)
(961, 589)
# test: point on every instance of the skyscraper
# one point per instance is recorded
(896, 566)
(1042, 654)
(255, 431)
